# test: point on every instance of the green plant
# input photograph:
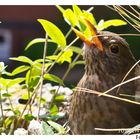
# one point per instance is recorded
(38, 71)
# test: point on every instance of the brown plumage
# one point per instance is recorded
(104, 69)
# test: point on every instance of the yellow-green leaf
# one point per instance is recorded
(70, 17)
(54, 32)
(114, 22)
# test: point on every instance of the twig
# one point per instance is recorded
(42, 73)
(117, 129)
(127, 74)
(106, 95)
(125, 82)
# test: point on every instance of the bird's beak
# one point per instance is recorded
(94, 39)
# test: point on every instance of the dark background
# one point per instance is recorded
(21, 23)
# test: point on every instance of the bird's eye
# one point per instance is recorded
(114, 49)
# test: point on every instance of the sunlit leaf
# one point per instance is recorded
(9, 120)
(22, 59)
(89, 16)
(114, 22)
(59, 98)
(2, 67)
(16, 81)
(53, 110)
(70, 17)
(66, 56)
(60, 8)
(53, 78)
(54, 32)
(35, 41)
(77, 10)
(20, 69)
(60, 129)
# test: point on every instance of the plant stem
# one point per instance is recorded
(42, 74)
(64, 76)
(1, 108)
(29, 96)
(61, 54)
(68, 33)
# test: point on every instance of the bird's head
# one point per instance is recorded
(105, 51)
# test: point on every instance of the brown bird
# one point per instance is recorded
(108, 59)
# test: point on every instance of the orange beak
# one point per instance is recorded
(95, 40)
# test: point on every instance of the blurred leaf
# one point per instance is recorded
(47, 130)
(59, 115)
(20, 69)
(43, 100)
(7, 94)
(76, 49)
(2, 67)
(7, 83)
(53, 110)
(77, 10)
(60, 129)
(29, 117)
(9, 120)
(54, 32)
(66, 56)
(60, 8)
(53, 78)
(33, 82)
(22, 59)
(89, 16)
(80, 62)
(25, 96)
(70, 17)
(17, 112)
(59, 98)
(114, 22)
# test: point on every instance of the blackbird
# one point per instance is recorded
(107, 60)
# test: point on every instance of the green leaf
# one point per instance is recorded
(53, 78)
(25, 96)
(9, 120)
(37, 40)
(60, 129)
(59, 115)
(47, 130)
(22, 59)
(29, 117)
(76, 49)
(80, 62)
(66, 56)
(77, 10)
(2, 67)
(60, 8)
(53, 110)
(33, 81)
(70, 17)
(7, 83)
(34, 41)
(15, 81)
(20, 69)
(89, 16)
(114, 22)
(59, 98)
(54, 32)
(6, 94)
(43, 100)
